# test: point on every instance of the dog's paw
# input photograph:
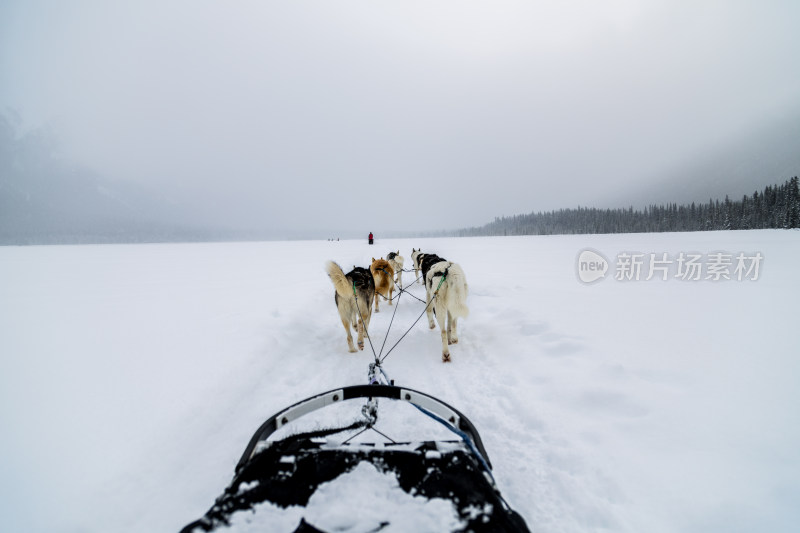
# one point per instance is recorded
(445, 358)
(452, 341)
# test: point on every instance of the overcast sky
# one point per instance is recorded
(395, 115)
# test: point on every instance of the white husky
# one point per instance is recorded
(396, 262)
(446, 288)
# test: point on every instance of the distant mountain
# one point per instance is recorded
(46, 200)
(748, 183)
(765, 157)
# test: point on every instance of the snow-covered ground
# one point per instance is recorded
(132, 377)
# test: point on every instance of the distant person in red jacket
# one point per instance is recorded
(370, 238)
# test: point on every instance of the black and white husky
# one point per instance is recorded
(354, 294)
(415, 262)
(422, 262)
(426, 261)
(396, 262)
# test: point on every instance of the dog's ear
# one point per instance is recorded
(398, 252)
(373, 259)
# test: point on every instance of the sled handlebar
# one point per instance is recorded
(448, 415)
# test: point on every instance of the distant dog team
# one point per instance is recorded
(446, 292)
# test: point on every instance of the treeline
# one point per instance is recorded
(775, 207)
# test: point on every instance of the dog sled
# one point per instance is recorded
(283, 468)
(365, 458)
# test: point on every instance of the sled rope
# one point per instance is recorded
(378, 359)
(415, 322)
(373, 429)
(402, 290)
(390, 326)
(370, 409)
(364, 324)
(465, 438)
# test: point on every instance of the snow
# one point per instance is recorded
(355, 502)
(133, 376)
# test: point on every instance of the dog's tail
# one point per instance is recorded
(458, 290)
(343, 287)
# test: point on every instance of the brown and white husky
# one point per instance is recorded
(383, 273)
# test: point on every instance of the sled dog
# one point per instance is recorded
(396, 261)
(354, 293)
(383, 273)
(426, 262)
(446, 289)
(415, 263)
(420, 260)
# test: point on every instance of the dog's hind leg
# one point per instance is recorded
(360, 329)
(441, 318)
(346, 324)
(429, 309)
(363, 329)
(452, 331)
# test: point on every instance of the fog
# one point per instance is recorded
(326, 117)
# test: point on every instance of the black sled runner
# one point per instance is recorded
(288, 471)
